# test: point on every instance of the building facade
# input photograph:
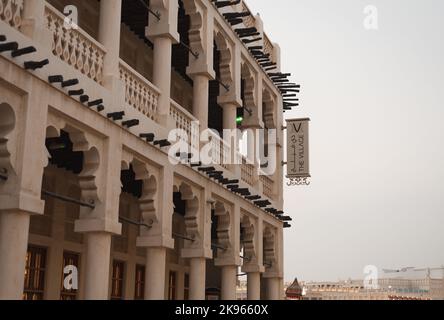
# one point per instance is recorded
(387, 289)
(91, 207)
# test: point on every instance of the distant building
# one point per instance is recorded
(294, 291)
(399, 288)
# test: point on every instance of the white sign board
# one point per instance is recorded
(298, 161)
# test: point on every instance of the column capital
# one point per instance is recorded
(229, 101)
(205, 253)
(228, 261)
(98, 226)
(22, 201)
(202, 70)
(253, 268)
(166, 26)
(159, 241)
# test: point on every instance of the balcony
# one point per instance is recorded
(75, 46)
(80, 50)
(140, 94)
(267, 186)
(11, 12)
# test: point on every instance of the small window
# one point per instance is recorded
(172, 286)
(69, 259)
(140, 283)
(35, 274)
(186, 293)
(117, 280)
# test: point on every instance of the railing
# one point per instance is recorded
(221, 151)
(75, 46)
(141, 94)
(185, 121)
(11, 12)
(267, 184)
(249, 21)
(247, 172)
(268, 47)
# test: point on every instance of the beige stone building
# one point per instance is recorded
(87, 188)
(399, 288)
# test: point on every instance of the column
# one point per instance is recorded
(229, 279)
(109, 35)
(254, 285)
(230, 115)
(197, 278)
(33, 24)
(162, 72)
(155, 274)
(14, 229)
(273, 288)
(200, 99)
(98, 249)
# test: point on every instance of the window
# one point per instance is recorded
(172, 286)
(117, 280)
(69, 259)
(186, 293)
(35, 274)
(140, 283)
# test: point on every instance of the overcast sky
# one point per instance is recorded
(377, 134)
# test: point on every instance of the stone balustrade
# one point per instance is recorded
(75, 46)
(11, 12)
(140, 94)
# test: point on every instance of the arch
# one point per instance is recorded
(249, 86)
(268, 110)
(7, 125)
(147, 202)
(223, 230)
(196, 26)
(91, 159)
(192, 209)
(225, 63)
(247, 240)
(87, 178)
(269, 248)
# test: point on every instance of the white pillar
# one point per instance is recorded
(229, 277)
(200, 99)
(14, 229)
(230, 115)
(254, 285)
(197, 278)
(33, 24)
(273, 288)
(98, 251)
(109, 35)
(162, 72)
(155, 274)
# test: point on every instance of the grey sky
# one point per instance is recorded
(377, 132)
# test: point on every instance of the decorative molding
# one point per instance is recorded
(11, 12)
(7, 125)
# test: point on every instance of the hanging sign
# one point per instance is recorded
(298, 160)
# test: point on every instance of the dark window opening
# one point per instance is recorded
(139, 293)
(179, 204)
(172, 286)
(69, 259)
(129, 183)
(215, 111)
(34, 286)
(62, 154)
(186, 293)
(117, 281)
(135, 15)
(181, 55)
